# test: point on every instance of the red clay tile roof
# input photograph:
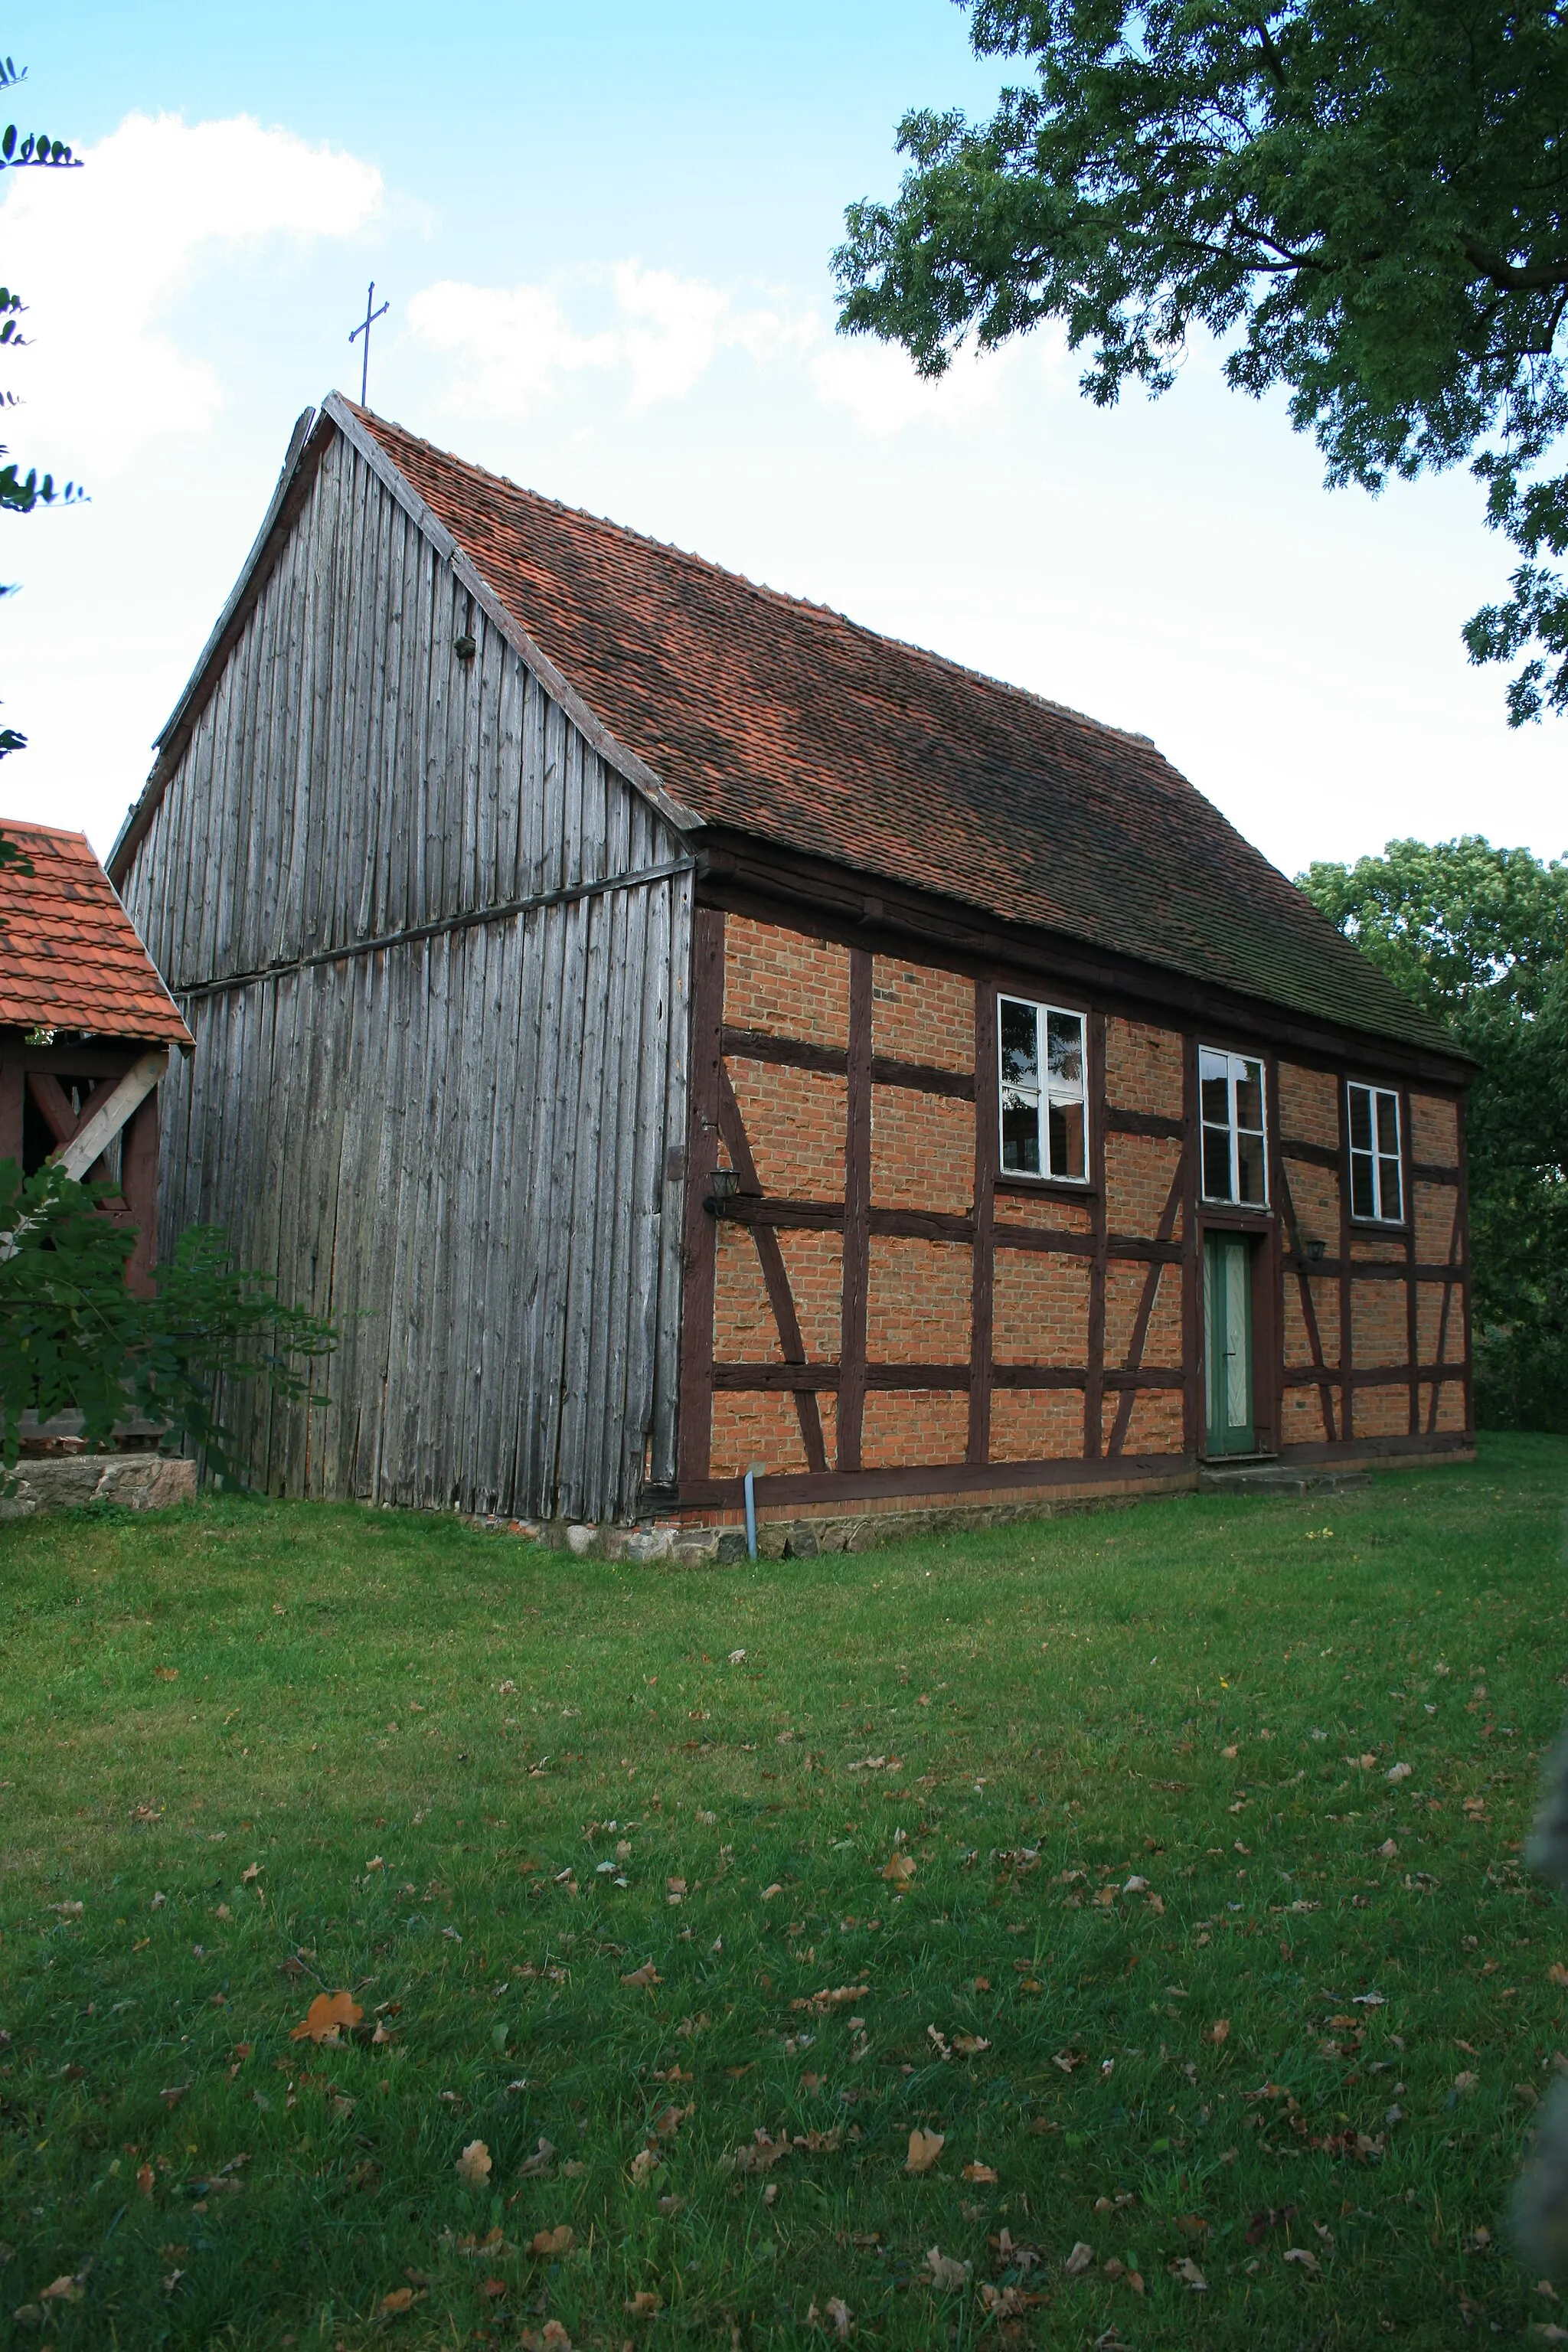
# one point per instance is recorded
(70, 954)
(786, 722)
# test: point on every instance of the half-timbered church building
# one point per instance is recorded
(676, 1033)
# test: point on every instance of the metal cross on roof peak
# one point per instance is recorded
(366, 323)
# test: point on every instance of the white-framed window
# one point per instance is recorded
(1044, 1090)
(1235, 1155)
(1377, 1191)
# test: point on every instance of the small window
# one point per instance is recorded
(1375, 1189)
(1045, 1095)
(1235, 1156)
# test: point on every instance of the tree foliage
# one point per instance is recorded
(73, 1339)
(22, 493)
(1480, 937)
(1362, 199)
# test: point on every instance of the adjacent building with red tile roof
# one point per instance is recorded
(86, 1029)
(682, 1033)
(70, 956)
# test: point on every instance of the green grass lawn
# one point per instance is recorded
(691, 1895)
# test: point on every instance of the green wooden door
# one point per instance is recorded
(1227, 1344)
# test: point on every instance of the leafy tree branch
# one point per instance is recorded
(23, 493)
(73, 1339)
(1479, 936)
(1364, 201)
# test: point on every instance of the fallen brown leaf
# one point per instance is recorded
(644, 2304)
(826, 1999)
(1078, 2260)
(492, 2247)
(475, 2165)
(984, 2172)
(400, 2299)
(550, 2243)
(326, 2017)
(760, 2154)
(899, 1870)
(925, 2147)
(647, 1974)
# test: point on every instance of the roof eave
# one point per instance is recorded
(859, 897)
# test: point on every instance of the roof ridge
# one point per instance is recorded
(13, 825)
(761, 588)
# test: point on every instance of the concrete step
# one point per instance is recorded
(1278, 1478)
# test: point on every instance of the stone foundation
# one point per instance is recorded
(64, 1482)
(824, 1529)
(828, 1528)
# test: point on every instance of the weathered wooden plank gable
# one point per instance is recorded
(455, 1144)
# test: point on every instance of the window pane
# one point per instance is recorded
(1216, 1163)
(1362, 1204)
(1021, 1138)
(1360, 1120)
(1020, 1051)
(1065, 1123)
(1216, 1098)
(1388, 1172)
(1249, 1097)
(1064, 1047)
(1249, 1161)
(1388, 1123)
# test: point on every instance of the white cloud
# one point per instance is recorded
(512, 345)
(878, 383)
(515, 347)
(100, 256)
(676, 327)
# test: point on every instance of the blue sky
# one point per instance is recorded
(604, 236)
